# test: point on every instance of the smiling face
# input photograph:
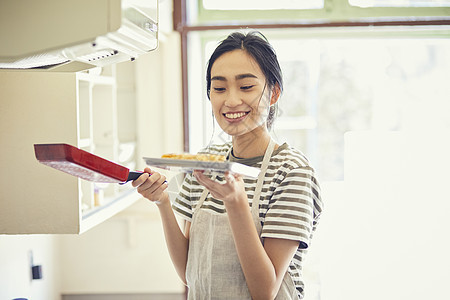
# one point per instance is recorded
(239, 96)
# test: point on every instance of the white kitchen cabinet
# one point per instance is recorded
(79, 109)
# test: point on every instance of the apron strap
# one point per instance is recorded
(202, 199)
(262, 174)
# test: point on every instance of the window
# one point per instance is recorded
(340, 74)
(261, 4)
(400, 3)
(336, 83)
(213, 12)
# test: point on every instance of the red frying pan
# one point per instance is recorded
(82, 164)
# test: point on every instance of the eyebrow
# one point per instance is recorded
(238, 77)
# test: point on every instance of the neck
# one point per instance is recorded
(251, 144)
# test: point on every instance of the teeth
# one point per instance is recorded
(235, 115)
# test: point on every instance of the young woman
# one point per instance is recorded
(244, 238)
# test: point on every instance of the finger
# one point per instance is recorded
(203, 180)
(198, 176)
(140, 180)
(238, 177)
(151, 184)
(155, 182)
(162, 180)
(156, 194)
(229, 178)
(197, 173)
(216, 189)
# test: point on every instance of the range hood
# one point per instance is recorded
(63, 35)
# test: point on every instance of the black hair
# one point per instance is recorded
(259, 48)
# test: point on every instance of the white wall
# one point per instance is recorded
(124, 255)
(384, 232)
(159, 108)
(15, 267)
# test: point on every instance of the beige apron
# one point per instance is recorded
(213, 269)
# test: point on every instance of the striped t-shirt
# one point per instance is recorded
(290, 202)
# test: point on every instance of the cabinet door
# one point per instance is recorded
(36, 107)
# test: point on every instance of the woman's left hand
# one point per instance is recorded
(232, 191)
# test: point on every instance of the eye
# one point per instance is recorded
(246, 87)
(219, 89)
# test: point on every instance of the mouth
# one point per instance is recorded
(235, 116)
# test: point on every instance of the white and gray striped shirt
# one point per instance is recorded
(290, 203)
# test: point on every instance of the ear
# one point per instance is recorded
(276, 92)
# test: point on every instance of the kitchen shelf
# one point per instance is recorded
(79, 109)
(96, 215)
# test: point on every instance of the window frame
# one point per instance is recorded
(332, 11)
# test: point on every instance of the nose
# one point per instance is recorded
(233, 98)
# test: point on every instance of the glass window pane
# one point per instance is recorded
(336, 85)
(400, 3)
(333, 86)
(261, 4)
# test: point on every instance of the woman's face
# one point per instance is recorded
(239, 96)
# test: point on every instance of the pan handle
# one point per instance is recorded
(133, 175)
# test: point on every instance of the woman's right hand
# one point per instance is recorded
(152, 185)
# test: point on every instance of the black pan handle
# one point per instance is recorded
(133, 175)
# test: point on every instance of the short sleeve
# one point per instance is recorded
(183, 204)
(294, 207)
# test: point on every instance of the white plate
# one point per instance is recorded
(188, 166)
